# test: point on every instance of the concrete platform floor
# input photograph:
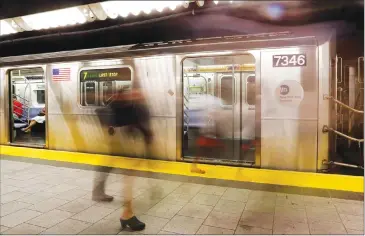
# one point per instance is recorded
(45, 199)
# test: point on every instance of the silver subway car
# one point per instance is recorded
(273, 86)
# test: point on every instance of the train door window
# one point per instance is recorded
(41, 96)
(197, 86)
(226, 90)
(28, 98)
(97, 86)
(250, 90)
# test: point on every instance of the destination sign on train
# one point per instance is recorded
(106, 74)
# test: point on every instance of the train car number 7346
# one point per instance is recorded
(291, 60)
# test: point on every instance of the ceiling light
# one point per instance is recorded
(52, 19)
(123, 8)
(5, 28)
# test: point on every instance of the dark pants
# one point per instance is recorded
(101, 176)
(103, 171)
(144, 129)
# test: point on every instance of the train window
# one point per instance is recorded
(90, 94)
(41, 98)
(196, 89)
(97, 86)
(251, 90)
(226, 90)
(107, 92)
(197, 85)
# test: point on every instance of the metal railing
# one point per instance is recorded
(339, 98)
(24, 107)
(343, 104)
(351, 118)
(341, 164)
(186, 101)
(25, 101)
(326, 129)
(359, 70)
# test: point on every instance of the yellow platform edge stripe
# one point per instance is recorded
(263, 176)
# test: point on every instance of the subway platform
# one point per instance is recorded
(51, 198)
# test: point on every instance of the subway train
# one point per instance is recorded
(274, 86)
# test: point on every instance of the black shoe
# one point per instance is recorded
(102, 198)
(133, 223)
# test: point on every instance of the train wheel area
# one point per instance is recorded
(53, 196)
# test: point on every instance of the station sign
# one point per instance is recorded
(111, 74)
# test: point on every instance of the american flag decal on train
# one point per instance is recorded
(61, 74)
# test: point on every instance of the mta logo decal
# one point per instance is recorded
(284, 89)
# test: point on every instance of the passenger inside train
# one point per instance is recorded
(37, 120)
(17, 108)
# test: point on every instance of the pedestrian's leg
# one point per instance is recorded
(127, 218)
(128, 196)
(98, 193)
(148, 136)
(194, 167)
(29, 127)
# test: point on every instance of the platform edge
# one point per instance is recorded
(243, 174)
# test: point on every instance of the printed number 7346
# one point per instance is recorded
(289, 60)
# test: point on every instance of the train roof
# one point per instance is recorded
(294, 36)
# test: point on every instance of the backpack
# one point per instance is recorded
(123, 113)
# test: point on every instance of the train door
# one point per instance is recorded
(27, 107)
(236, 92)
(219, 103)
